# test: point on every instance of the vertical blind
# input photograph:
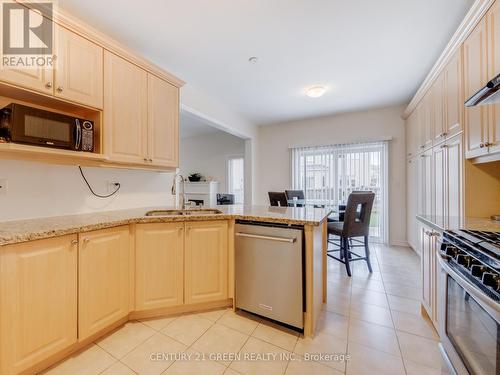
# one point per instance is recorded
(328, 174)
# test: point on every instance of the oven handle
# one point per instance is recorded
(469, 288)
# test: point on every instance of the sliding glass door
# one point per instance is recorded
(328, 174)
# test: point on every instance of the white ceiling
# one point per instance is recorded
(192, 126)
(369, 53)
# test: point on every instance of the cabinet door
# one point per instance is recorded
(454, 102)
(411, 134)
(79, 72)
(159, 257)
(426, 269)
(493, 70)
(103, 279)
(38, 79)
(454, 171)
(475, 77)
(412, 199)
(425, 183)
(439, 131)
(163, 122)
(125, 110)
(438, 185)
(206, 267)
(426, 121)
(38, 305)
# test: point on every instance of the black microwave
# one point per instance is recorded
(33, 126)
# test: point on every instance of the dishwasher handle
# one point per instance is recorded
(270, 238)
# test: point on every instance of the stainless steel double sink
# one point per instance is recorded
(192, 212)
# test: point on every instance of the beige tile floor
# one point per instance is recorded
(374, 318)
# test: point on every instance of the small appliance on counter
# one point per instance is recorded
(34, 126)
(469, 301)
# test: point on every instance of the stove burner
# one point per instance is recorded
(476, 254)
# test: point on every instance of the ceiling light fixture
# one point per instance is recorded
(253, 60)
(315, 91)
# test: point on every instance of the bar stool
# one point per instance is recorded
(356, 224)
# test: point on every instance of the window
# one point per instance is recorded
(328, 174)
(235, 180)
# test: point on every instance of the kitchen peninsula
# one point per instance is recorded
(151, 266)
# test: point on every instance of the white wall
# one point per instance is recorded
(274, 141)
(38, 190)
(207, 154)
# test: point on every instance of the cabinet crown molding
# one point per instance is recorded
(74, 24)
(472, 18)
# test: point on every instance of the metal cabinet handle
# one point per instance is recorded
(60, 89)
(86, 240)
(151, 160)
(48, 85)
(74, 242)
(488, 144)
(145, 159)
(481, 145)
(260, 237)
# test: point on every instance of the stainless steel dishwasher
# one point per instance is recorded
(269, 271)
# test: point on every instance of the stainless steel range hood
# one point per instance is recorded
(489, 94)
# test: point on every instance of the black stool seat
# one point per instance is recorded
(335, 227)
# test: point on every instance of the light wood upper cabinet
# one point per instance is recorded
(103, 279)
(206, 261)
(38, 305)
(438, 106)
(159, 274)
(39, 79)
(163, 122)
(453, 98)
(125, 110)
(493, 69)
(425, 183)
(426, 118)
(454, 177)
(412, 132)
(475, 77)
(438, 183)
(79, 69)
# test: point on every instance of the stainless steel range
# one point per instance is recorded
(469, 309)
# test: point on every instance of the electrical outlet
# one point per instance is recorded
(112, 186)
(3, 186)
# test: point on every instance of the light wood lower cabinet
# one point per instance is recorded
(159, 275)
(206, 262)
(429, 272)
(38, 301)
(103, 279)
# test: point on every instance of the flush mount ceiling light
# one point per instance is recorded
(253, 60)
(315, 91)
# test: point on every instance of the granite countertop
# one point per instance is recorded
(468, 223)
(32, 229)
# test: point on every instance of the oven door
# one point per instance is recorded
(469, 325)
(38, 127)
